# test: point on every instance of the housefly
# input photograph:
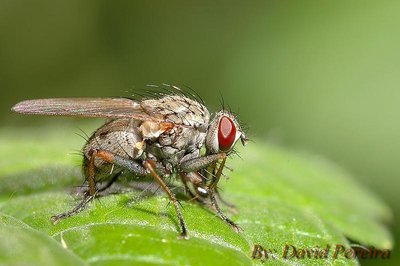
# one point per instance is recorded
(169, 133)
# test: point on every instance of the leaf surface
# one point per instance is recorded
(284, 198)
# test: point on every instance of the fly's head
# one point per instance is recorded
(223, 133)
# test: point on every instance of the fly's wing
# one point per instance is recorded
(85, 107)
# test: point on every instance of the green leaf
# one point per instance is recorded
(22, 245)
(284, 198)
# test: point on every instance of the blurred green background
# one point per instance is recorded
(316, 75)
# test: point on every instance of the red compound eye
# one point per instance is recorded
(226, 133)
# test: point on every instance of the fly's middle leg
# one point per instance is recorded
(196, 179)
(107, 157)
(151, 167)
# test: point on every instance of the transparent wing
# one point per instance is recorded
(85, 107)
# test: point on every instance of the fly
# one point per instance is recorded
(159, 136)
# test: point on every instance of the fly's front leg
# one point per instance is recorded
(193, 165)
(213, 190)
(214, 203)
(109, 183)
(216, 174)
(107, 157)
(196, 164)
(151, 167)
(189, 170)
(231, 206)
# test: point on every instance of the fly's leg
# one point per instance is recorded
(196, 164)
(107, 157)
(193, 165)
(151, 167)
(231, 206)
(215, 178)
(214, 203)
(187, 189)
(109, 183)
(195, 179)
(86, 199)
(213, 190)
(80, 207)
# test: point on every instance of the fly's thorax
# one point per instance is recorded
(176, 144)
(181, 135)
(223, 132)
(177, 109)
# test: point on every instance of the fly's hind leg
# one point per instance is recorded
(109, 183)
(77, 209)
(107, 157)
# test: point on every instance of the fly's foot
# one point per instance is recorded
(183, 236)
(236, 227)
(233, 225)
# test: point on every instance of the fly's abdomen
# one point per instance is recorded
(120, 137)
